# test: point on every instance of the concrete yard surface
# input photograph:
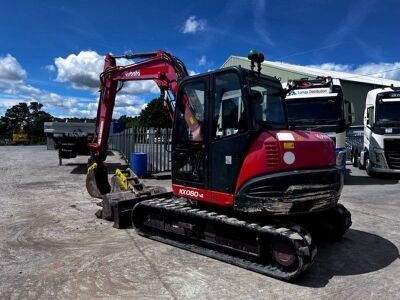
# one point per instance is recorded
(53, 247)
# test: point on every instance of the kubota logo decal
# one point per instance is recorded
(133, 73)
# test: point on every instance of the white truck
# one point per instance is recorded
(318, 105)
(380, 150)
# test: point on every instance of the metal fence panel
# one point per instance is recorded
(155, 142)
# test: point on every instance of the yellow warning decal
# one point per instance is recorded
(192, 120)
(288, 145)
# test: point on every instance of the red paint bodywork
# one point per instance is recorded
(214, 197)
(311, 150)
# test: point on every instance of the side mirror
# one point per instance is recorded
(370, 116)
(349, 112)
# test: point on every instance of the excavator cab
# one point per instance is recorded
(228, 106)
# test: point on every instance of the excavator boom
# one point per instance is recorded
(161, 67)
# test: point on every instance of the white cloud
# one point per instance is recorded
(380, 70)
(333, 67)
(193, 25)
(78, 70)
(13, 89)
(81, 70)
(139, 87)
(202, 61)
(50, 68)
(192, 73)
(10, 69)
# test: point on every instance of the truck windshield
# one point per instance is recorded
(267, 105)
(389, 111)
(314, 110)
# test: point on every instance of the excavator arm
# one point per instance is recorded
(161, 67)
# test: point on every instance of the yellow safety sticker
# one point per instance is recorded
(192, 120)
(288, 145)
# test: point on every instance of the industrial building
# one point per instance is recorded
(355, 86)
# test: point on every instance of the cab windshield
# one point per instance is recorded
(314, 110)
(388, 111)
(267, 105)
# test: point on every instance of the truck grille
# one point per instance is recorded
(392, 153)
(272, 153)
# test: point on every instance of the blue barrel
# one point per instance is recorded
(139, 163)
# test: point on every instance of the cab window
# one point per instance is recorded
(229, 113)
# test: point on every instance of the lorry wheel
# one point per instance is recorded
(368, 167)
(354, 158)
(359, 164)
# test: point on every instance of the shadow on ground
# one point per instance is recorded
(378, 179)
(358, 252)
(82, 168)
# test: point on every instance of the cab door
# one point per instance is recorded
(189, 135)
(228, 131)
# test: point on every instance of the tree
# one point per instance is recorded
(130, 121)
(30, 117)
(37, 125)
(17, 116)
(155, 115)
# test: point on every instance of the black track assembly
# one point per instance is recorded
(276, 250)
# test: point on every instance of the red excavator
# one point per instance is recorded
(242, 181)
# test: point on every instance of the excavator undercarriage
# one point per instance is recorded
(278, 247)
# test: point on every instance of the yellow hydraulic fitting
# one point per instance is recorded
(122, 180)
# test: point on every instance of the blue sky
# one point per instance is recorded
(51, 51)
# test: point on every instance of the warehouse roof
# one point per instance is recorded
(311, 71)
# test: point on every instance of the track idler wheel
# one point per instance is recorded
(283, 253)
(97, 183)
(334, 223)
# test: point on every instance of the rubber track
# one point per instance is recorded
(296, 235)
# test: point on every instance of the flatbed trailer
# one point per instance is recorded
(71, 138)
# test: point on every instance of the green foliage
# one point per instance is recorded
(36, 128)
(130, 122)
(28, 116)
(154, 115)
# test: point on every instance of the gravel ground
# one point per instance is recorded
(53, 247)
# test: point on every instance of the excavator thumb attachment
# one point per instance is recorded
(97, 180)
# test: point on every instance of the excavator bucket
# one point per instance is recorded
(97, 183)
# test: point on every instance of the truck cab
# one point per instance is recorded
(381, 147)
(319, 105)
